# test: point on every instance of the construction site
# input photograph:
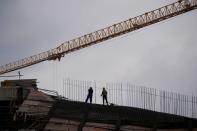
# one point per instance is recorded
(26, 106)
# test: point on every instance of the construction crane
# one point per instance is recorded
(146, 19)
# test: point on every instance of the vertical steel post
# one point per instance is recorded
(121, 94)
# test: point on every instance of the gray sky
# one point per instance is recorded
(161, 56)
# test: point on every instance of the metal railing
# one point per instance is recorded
(133, 96)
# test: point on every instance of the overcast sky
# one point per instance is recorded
(161, 56)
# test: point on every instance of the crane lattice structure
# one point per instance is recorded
(146, 19)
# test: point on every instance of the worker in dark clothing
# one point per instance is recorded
(90, 93)
(104, 94)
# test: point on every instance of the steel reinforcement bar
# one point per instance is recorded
(112, 31)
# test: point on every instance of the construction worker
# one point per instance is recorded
(104, 94)
(90, 94)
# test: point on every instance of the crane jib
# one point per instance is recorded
(146, 19)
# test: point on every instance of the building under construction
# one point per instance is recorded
(24, 106)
